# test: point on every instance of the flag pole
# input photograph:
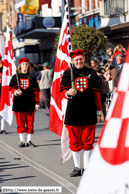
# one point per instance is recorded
(72, 76)
(14, 60)
(69, 44)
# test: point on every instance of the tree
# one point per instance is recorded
(91, 40)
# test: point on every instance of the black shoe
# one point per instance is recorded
(30, 144)
(76, 172)
(21, 145)
(3, 131)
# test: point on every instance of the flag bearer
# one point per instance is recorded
(83, 109)
(26, 101)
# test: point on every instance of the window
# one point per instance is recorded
(115, 7)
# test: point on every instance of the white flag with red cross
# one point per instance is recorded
(8, 71)
(108, 169)
(58, 102)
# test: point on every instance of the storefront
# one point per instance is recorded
(41, 30)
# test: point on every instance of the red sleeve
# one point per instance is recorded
(97, 100)
(13, 90)
(63, 93)
(36, 95)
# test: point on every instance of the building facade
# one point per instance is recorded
(111, 16)
(115, 21)
(33, 40)
(30, 37)
(3, 15)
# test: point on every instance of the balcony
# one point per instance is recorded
(113, 7)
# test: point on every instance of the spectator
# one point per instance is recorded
(107, 76)
(124, 51)
(118, 50)
(38, 76)
(104, 91)
(99, 60)
(93, 63)
(113, 66)
(109, 52)
(104, 62)
(45, 84)
(36, 65)
(32, 69)
(120, 60)
(36, 70)
(51, 66)
(109, 62)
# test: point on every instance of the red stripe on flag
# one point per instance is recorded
(56, 94)
(63, 46)
(5, 99)
(60, 66)
(9, 66)
(64, 65)
(55, 124)
(118, 105)
(6, 50)
(120, 154)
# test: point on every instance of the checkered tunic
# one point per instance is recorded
(81, 109)
(28, 84)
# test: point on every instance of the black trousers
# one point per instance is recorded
(46, 97)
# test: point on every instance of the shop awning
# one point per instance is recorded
(117, 31)
(37, 34)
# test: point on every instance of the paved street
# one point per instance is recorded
(39, 166)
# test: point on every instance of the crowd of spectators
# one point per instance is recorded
(109, 71)
(44, 75)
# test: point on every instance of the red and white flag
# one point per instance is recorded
(58, 102)
(108, 169)
(2, 48)
(8, 71)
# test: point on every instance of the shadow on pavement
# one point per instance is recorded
(41, 130)
(2, 169)
(6, 175)
(48, 145)
(25, 177)
(8, 165)
(4, 162)
(54, 140)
